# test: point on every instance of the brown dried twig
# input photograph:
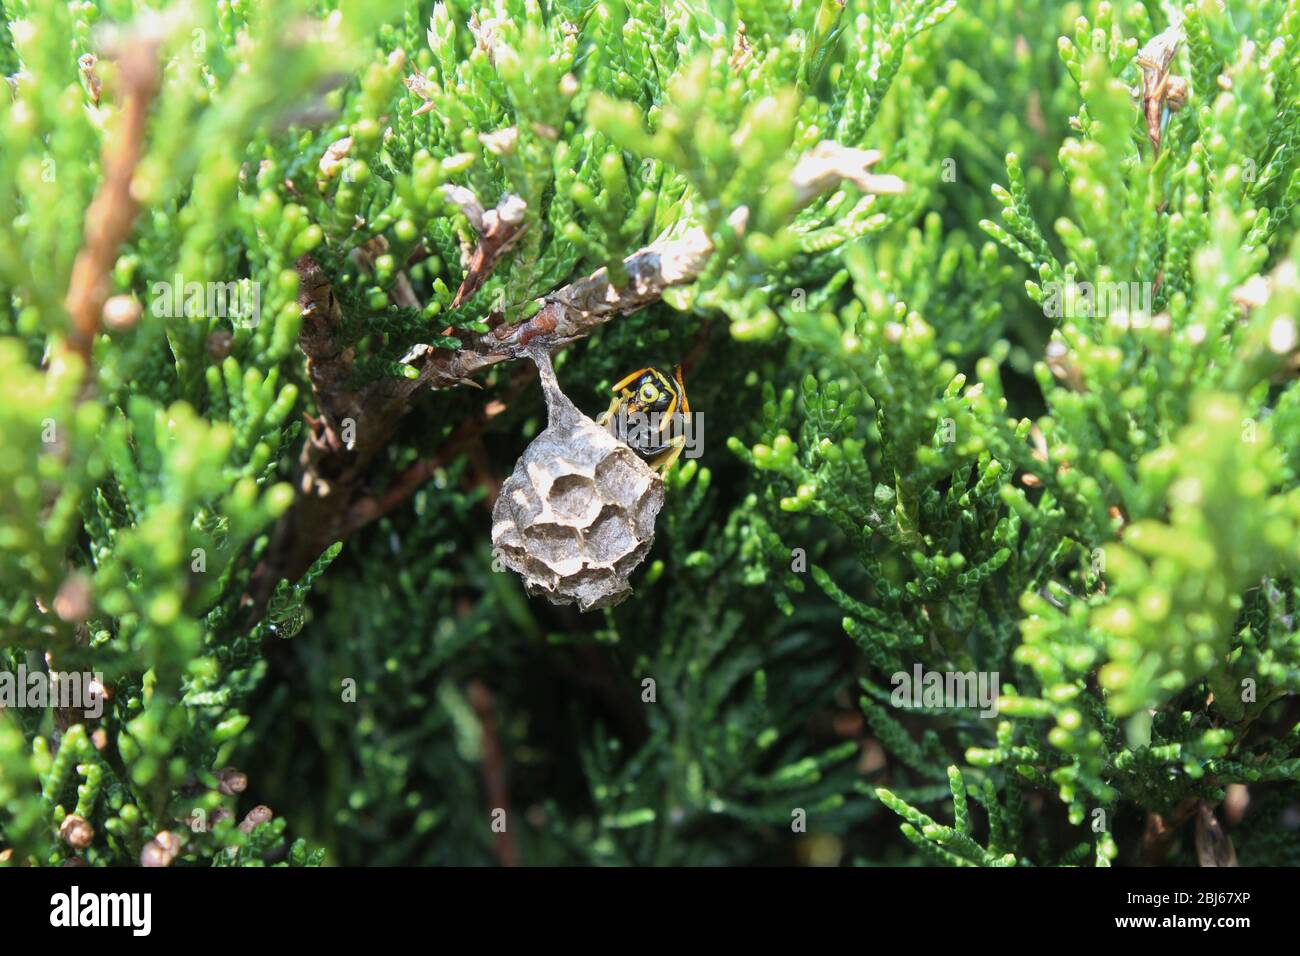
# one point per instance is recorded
(499, 229)
(1160, 88)
(113, 210)
(370, 507)
(494, 773)
(1213, 845)
(1159, 833)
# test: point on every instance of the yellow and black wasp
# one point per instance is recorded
(652, 400)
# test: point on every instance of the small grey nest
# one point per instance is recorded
(577, 515)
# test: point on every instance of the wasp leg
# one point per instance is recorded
(623, 383)
(666, 458)
(608, 413)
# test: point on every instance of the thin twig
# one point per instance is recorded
(494, 773)
(469, 431)
(113, 210)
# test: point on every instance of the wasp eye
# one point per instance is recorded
(648, 393)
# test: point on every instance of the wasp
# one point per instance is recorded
(646, 403)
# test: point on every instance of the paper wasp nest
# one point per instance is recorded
(577, 515)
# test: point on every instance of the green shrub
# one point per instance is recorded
(1016, 399)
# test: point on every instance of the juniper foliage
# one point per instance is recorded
(930, 437)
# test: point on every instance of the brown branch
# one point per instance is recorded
(567, 314)
(482, 476)
(329, 368)
(1213, 845)
(370, 507)
(499, 230)
(1159, 834)
(113, 210)
(494, 772)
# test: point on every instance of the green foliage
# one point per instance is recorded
(925, 447)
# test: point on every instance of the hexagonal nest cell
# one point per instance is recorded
(577, 515)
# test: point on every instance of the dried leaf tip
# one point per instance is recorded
(828, 163)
